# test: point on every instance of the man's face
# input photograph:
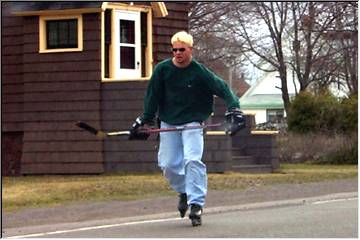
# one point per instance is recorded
(183, 53)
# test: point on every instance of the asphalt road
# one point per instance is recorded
(326, 217)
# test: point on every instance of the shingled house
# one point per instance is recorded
(69, 61)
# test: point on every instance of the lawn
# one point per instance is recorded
(55, 190)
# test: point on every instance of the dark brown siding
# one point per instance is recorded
(12, 69)
(60, 89)
(121, 103)
(12, 91)
(11, 148)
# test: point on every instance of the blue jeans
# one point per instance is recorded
(179, 157)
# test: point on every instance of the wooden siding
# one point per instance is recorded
(12, 91)
(11, 148)
(12, 70)
(60, 89)
(121, 104)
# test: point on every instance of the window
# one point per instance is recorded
(60, 34)
(274, 115)
(127, 42)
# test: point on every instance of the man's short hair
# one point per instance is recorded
(182, 37)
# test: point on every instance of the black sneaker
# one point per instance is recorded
(183, 206)
(195, 214)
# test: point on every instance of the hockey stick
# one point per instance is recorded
(102, 134)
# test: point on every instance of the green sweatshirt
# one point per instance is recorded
(183, 95)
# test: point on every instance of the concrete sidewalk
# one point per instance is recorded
(215, 200)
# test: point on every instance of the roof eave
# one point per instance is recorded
(58, 11)
(159, 8)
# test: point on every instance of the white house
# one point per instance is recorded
(263, 98)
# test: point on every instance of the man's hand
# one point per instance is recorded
(136, 126)
(234, 121)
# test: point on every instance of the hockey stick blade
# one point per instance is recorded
(91, 129)
(86, 127)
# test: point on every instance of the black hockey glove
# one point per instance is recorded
(136, 126)
(234, 121)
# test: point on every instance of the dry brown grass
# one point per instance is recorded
(311, 147)
(43, 191)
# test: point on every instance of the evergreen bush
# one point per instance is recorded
(349, 114)
(322, 129)
(322, 113)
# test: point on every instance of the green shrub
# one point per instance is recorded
(322, 129)
(322, 113)
(303, 113)
(349, 114)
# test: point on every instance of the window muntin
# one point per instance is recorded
(61, 34)
(127, 44)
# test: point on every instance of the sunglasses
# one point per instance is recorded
(178, 49)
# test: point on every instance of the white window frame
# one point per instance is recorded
(122, 73)
(113, 75)
(43, 36)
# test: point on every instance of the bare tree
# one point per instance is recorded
(318, 47)
(214, 46)
(315, 40)
(260, 26)
(344, 38)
